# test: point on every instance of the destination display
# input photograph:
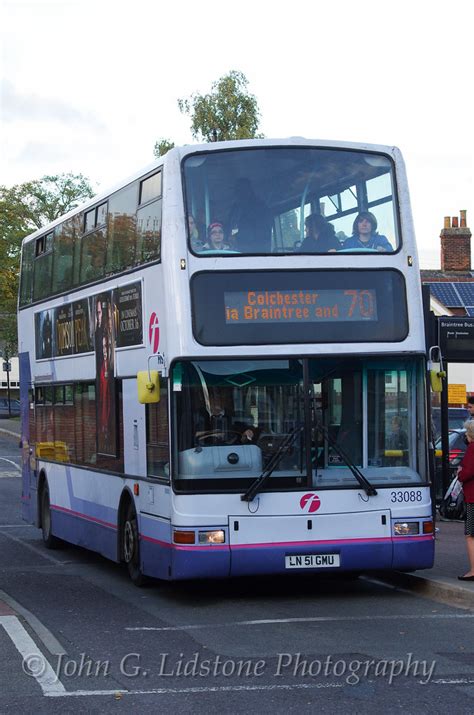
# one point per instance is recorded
(456, 338)
(307, 306)
(299, 306)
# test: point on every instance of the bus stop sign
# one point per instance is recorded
(456, 338)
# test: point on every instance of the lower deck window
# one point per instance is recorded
(65, 426)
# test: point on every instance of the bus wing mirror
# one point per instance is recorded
(436, 380)
(435, 367)
(148, 385)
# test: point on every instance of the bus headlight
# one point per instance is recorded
(406, 528)
(212, 537)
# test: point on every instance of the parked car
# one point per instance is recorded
(457, 447)
(14, 407)
(456, 419)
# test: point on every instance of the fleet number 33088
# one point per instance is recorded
(405, 497)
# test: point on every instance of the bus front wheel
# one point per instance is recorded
(131, 547)
(50, 541)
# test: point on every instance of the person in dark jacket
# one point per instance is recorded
(364, 234)
(466, 476)
(320, 236)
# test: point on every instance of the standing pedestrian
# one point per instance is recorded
(470, 408)
(466, 476)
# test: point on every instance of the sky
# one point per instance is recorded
(88, 86)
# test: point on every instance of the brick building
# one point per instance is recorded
(452, 287)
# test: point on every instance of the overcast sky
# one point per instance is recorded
(88, 86)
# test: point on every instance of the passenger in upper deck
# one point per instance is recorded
(215, 238)
(197, 244)
(320, 236)
(249, 220)
(364, 234)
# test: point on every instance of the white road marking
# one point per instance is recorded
(25, 645)
(315, 619)
(210, 689)
(10, 475)
(4, 459)
(232, 688)
(45, 635)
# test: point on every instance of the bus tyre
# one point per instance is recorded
(50, 541)
(131, 547)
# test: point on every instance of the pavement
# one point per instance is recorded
(440, 583)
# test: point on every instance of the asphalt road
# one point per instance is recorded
(77, 636)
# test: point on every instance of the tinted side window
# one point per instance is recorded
(122, 229)
(93, 256)
(27, 272)
(63, 257)
(149, 232)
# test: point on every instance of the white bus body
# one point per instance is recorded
(316, 456)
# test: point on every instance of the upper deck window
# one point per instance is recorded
(95, 217)
(44, 244)
(291, 200)
(150, 188)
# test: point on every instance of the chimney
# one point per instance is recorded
(455, 245)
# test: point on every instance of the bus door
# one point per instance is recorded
(28, 471)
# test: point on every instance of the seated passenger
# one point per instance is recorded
(320, 236)
(249, 220)
(197, 244)
(364, 234)
(215, 238)
(398, 438)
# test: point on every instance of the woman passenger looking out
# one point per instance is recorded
(215, 238)
(320, 236)
(364, 234)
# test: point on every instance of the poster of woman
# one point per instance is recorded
(104, 338)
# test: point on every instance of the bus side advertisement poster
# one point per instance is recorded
(128, 311)
(104, 339)
(69, 329)
(44, 322)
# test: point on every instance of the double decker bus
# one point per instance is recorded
(209, 389)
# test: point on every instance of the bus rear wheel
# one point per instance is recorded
(131, 547)
(50, 541)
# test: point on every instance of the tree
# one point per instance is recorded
(229, 111)
(162, 146)
(24, 208)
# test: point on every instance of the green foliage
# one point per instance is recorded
(162, 146)
(229, 111)
(23, 209)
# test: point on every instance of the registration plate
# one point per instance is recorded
(311, 561)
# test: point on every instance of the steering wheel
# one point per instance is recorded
(214, 438)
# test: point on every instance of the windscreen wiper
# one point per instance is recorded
(364, 483)
(272, 464)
